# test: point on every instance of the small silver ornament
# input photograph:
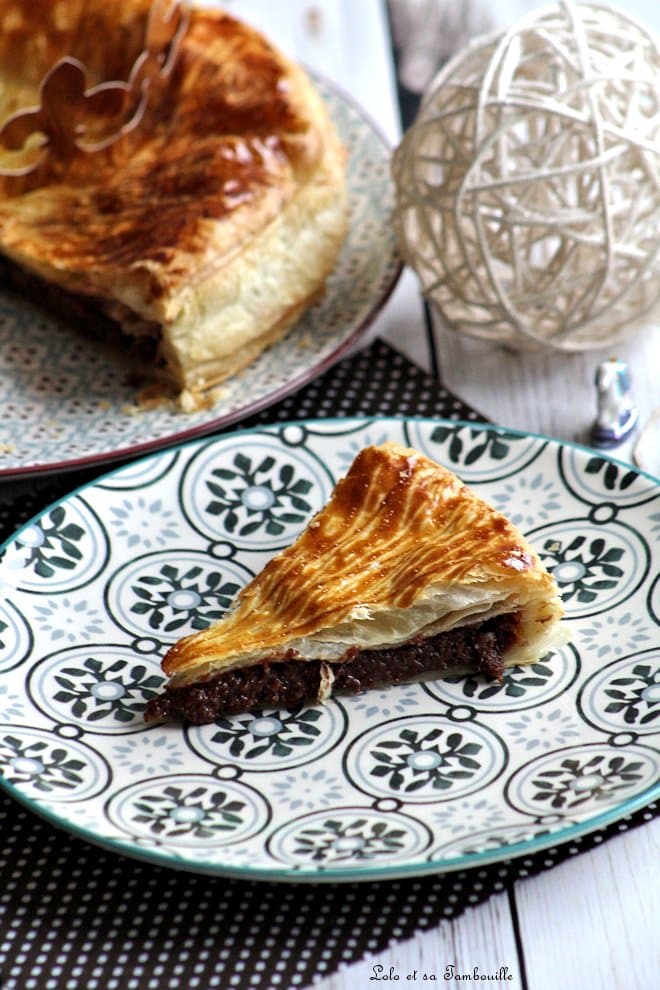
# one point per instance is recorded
(617, 413)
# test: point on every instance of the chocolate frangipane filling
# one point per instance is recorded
(285, 683)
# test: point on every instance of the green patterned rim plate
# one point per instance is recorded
(68, 401)
(421, 778)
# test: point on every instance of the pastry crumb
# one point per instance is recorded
(190, 401)
(326, 680)
(154, 396)
(221, 392)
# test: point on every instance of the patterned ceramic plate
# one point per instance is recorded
(67, 401)
(414, 779)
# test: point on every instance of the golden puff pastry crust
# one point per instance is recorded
(402, 553)
(213, 224)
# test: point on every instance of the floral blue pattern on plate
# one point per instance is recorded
(425, 777)
(68, 400)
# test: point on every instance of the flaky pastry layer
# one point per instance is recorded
(403, 549)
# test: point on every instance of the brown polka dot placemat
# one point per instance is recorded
(75, 917)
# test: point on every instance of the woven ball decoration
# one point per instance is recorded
(528, 187)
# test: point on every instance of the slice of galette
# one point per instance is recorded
(406, 571)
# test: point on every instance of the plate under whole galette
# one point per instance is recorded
(69, 399)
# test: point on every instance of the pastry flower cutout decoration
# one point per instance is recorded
(72, 117)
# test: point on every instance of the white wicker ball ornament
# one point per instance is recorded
(528, 187)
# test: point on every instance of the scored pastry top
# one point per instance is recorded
(234, 124)
(402, 549)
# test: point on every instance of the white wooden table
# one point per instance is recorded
(591, 922)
